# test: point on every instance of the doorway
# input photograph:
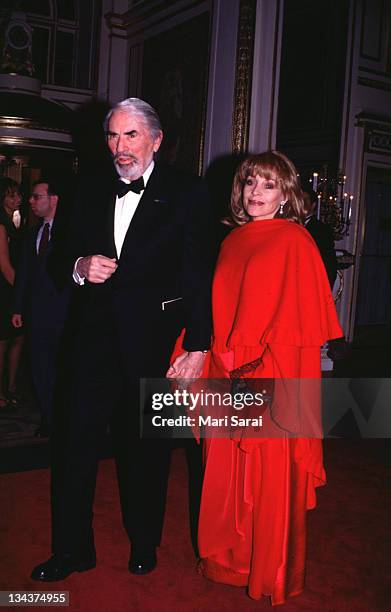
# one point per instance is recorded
(372, 326)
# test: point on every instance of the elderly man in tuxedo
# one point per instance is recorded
(141, 252)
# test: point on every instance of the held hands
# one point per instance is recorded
(187, 365)
(96, 268)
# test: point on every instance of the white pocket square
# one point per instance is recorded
(167, 302)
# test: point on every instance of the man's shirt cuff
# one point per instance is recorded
(79, 280)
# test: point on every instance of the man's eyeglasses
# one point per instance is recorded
(38, 196)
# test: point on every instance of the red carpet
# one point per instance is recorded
(349, 567)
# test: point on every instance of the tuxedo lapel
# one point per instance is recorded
(110, 224)
(150, 213)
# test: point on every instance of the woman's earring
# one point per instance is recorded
(282, 207)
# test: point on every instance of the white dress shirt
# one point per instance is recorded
(125, 208)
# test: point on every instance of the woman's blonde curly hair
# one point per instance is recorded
(269, 165)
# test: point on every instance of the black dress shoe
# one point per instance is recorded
(59, 567)
(142, 561)
(14, 399)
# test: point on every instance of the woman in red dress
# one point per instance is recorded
(272, 311)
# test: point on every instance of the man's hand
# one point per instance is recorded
(187, 365)
(96, 268)
(17, 320)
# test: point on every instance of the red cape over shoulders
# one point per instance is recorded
(270, 286)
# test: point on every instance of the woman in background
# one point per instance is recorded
(272, 311)
(11, 339)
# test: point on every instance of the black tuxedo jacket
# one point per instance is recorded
(42, 303)
(163, 280)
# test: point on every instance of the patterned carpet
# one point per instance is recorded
(17, 426)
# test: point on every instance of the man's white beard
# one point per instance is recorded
(131, 171)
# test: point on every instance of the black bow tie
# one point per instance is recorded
(122, 188)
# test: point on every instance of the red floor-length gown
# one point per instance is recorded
(270, 296)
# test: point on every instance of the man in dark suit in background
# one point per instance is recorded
(141, 252)
(39, 304)
(322, 234)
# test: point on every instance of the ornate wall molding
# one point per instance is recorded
(29, 124)
(145, 15)
(23, 142)
(375, 44)
(377, 132)
(380, 142)
(243, 76)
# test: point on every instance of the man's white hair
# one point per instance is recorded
(135, 106)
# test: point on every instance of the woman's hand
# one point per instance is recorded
(187, 365)
(17, 320)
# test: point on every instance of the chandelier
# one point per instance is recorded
(334, 204)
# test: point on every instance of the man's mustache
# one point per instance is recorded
(124, 154)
